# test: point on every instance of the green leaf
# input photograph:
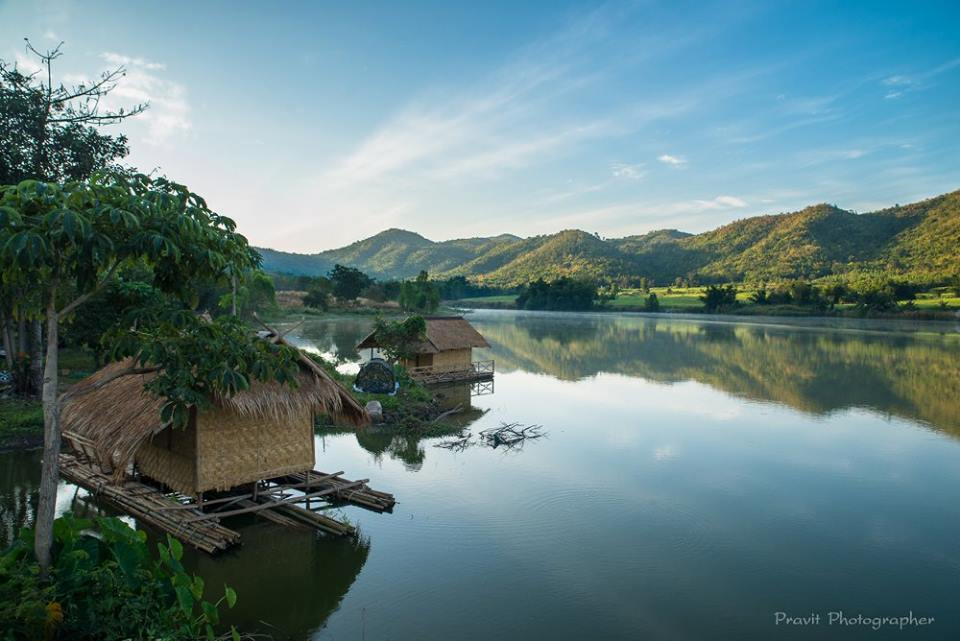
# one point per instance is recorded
(197, 588)
(176, 548)
(185, 599)
(210, 612)
(231, 596)
(234, 635)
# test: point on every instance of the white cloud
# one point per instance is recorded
(893, 94)
(634, 171)
(897, 80)
(127, 61)
(50, 34)
(673, 161)
(723, 202)
(27, 65)
(169, 110)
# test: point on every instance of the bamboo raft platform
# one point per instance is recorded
(291, 500)
(438, 375)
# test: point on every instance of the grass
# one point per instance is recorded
(21, 423)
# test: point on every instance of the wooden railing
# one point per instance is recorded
(452, 372)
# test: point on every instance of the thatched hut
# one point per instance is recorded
(260, 433)
(448, 346)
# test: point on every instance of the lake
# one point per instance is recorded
(698, 476)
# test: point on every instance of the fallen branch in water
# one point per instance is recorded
(455, 410)
(458, 444)
(510, 435)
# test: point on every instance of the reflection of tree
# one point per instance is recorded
(337, 336)
(287, 578)
(406, 444)
(819, 371)
(401, 445)
(19, 480)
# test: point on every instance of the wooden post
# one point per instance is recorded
(308, 488)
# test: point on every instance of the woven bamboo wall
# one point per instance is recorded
(234, 449)
(453, 359)
(170, 457)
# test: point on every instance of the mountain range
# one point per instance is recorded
(919, 242)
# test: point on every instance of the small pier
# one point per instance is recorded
(292, 500)
(438, 375)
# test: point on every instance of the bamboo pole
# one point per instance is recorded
(292, 499)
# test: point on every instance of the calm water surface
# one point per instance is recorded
(697, 478)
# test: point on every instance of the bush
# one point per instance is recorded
(104, 585)
(719, 297)
(317, 299)
(652, 304)
(565, 293)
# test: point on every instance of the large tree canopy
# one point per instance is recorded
(68, 241)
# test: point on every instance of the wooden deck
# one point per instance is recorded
(291, 500)
(435, 375)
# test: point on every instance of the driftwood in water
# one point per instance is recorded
(510, 435)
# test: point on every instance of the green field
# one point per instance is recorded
(687, 299)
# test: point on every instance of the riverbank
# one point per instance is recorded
(688, 301)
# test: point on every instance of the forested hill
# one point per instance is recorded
(920, 242)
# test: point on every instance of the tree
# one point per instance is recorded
(652, 304)
(565, 293)
(102, 313)
(717, 298)
(397, 339)
(348, 282)
(69, 241)
(48, 131)
(317, 299)
(419, 295)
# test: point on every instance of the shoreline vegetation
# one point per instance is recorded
(931, 305)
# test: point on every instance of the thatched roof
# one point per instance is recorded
(114, 417)
(444, 333)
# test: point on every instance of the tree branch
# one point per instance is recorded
(80, 300)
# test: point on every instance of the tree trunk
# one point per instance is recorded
(7, 341)
(22, 335)
(50, 470)
(36, 357)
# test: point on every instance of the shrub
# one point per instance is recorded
(719, 297)
(104, 585)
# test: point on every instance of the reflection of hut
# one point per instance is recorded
(322, 571)
(446, 354)
(260, 433)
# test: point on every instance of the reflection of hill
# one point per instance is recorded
(283, 574)
(819, 371)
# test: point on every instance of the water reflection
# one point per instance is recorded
(289, 580)
(912, 376)
(408, 446)
(19, 480)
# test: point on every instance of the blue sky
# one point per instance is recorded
(316, 124)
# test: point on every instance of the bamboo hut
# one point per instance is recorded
(261, 433)
(446, 353)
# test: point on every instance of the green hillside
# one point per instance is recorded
(920, 242)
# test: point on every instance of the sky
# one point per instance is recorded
(315, 124)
